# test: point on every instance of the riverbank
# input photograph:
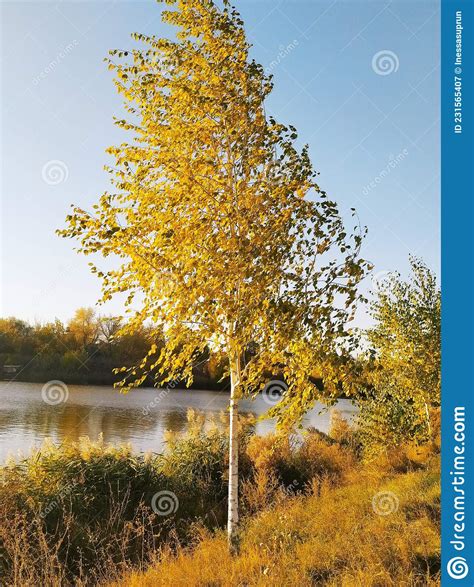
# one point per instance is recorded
(31, 412)
(312, 511)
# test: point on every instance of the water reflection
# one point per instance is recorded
(140, 418)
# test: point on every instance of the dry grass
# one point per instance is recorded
(334, 539)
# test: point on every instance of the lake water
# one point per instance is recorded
(139, 418)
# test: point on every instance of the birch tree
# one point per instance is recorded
(405, 367)
(223, 237)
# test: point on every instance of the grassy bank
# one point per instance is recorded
(314, 513)
(330, 537)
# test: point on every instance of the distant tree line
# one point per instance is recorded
(85, 350)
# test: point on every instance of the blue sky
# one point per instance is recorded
(358, 79)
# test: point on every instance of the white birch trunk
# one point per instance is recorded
(428, 419)
(233, 512)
